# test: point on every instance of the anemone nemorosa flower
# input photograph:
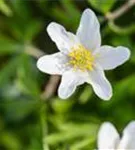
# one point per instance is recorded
(109, 139)
(81, 57)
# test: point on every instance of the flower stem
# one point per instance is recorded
(33, 51)
(43, 123)
(120, 11)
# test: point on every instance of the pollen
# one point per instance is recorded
(81, 58)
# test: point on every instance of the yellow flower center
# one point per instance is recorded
(81, 58)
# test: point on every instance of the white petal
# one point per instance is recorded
(89, 30)
(53, 64)
(108, 137)
(128, 139)
(111, 57)
(100, 84)
(63, 39)
(68, 84)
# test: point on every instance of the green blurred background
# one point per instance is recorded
(32, 117)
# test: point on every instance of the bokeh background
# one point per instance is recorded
(32, 117)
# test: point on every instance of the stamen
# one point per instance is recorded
(81, 58)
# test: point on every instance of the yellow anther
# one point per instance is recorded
(81, 58)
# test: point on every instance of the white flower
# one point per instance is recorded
(109, 139)
(81, 57)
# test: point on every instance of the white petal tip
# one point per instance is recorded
(67, 86)
(62, 95)
(132, 122)
(40, 64)
(106, 124)
(130, 127)
(108, 137)
(127, 53)
(49, 63)
(52, 24)
(88, 10)
(107, 98)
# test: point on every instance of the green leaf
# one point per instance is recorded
(82, 144)
(61, 106)
(8, 70)
(9, 140)
(133, 56)
(21, 9)
(23, 30)
(71, 131)
(85, 95)
(69, 16)
(18, 110)
(127, 84)
(32, 29)
(9, 46)
(21, 73)
(121, 30)
(102, 5)
(4, 8)
(26, 80)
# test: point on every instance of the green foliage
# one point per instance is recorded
(103, 6)
(5, 8)
(69, 15)
(126, 30)
(29, 120)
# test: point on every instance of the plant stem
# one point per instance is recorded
(50, 87)
(33, 51)
(120, 11)
(43, 121)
